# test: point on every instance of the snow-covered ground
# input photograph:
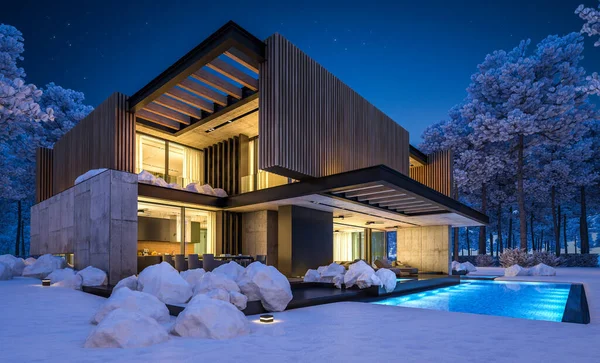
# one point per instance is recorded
(51, 324)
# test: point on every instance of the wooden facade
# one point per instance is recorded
(43, 174)
(229, 233)
(104, 139)
(225, 163)
(311, 124)
(437, 173)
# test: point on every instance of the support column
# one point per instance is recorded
(426, 248)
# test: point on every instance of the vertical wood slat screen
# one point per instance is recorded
(312, 125)
(438, 174)
(232, 233)
(222, 165)
(103, 139)
(43, 174)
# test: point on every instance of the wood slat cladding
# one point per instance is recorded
(438, 173)
(43, 174)
(103, 139)
(231, 233)
(313, 125)
(222, 163)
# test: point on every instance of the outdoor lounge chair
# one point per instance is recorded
(398, 270)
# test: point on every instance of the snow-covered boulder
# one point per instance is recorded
(210, 318)
(355, 271)
(128, 282)
(267, 284)
(89, 174)
(16, 264)
(457, 266)
(220, 193)
(43, 266)
(542, 270)
(147, 178)
(212, 281)
(200, 188)
(193, 276)
(218, 294)
(164, 282)
(174, 186)
(332, 270)
(238, 299)
(29, 261)
(388, 279)
(515, 270)
(5, 272)
(60, 274)
(468, 266)
(71, 282)
(134, 301)
(92, 276)
(368, 279)
(312, 276)
(338, 281)
(123, 328)
(233, 270)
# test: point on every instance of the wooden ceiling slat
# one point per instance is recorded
(181, 107)
(190, 100)
(203, 91)
(241, 58)
(381, 197)
(367, 192)
(402, 203)
(417, 210)
(230, 71)
(222, 85)
(168, 113)
(355, 189)
(147, 115)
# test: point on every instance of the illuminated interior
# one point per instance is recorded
(348, 243)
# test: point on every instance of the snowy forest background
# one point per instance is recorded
(526, 142)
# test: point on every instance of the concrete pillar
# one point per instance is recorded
(426, 248)
(259, 235)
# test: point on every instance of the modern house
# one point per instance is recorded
(313, 172)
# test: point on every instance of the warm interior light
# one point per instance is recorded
(45, 282)
(267, 318)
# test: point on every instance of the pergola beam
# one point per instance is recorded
(222, 67)
(178, 106)
(185, 97)
(147, 115)
(168, 113)
(203, 91)
(219, 83)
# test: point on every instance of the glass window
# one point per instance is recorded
(378, 250)
(348, 243)
(159, 229)
(391, 245)
(150, 155)
(259, 179)
(199, 227)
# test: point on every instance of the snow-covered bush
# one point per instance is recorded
(514, 256)
(515, 270)
(44, 265)
(542, 270)
(579, 260)
(5, 272)
(16, 264)
(547, 258)
(484, 261)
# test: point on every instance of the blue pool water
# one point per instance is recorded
(526, 300)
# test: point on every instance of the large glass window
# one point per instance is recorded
(199, 229)
(348, 243)
(378, 250)
(173, 162)
(391, 245)
(259, 179)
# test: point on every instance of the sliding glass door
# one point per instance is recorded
(348, 243)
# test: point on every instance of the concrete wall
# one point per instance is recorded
(96, 220)
(427, 248)
(259, 235)
(305, 239)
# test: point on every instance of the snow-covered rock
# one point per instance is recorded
(338, 281)
(200, 188)
(174, 186)
(164, 282)
(130, 282)
(233, 270)
(89, 174)
(332, 270)
(542, 270)
(193, 276)
(356, 270)
(238, 299)
(72, 282)
(515, 270)
(220, 192)
(92, 276)
(312, 276)
(5, 272)
(123, 328)
(210, 318)
(212, 281)
(29, 261)
(147, 178)
(457, 266)
(43, 266)
(468, 266)
(368, 279)
(134, 301)
(267, 284)
(60, 274)
(16, 264)
(218, 294)
(388, 279)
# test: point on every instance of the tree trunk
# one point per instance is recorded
(510, 227)
(555, 220)
(500, 246)
(18, 236)
(521, 197)
(542, 240)
(491, 244)
(583, 225)
(565, 233)
(481, 246)
(468, 242)
(533, 247)
(23, 239)
(456, 228)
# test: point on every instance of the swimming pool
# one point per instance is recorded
(526, 300)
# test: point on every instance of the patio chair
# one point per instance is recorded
(194, 262)
(168, 259)
(209, 263)
(399, 271)
(262, 259)
(180, 263)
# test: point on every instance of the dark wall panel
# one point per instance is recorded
(311, 124)
(223, 163)
(43, 174)
(438, 173)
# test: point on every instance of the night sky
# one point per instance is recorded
(412, 59)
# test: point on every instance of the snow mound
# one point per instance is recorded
(212, 281)
(16, 264)
(220, 193)
(456, 266)
(136, 302)
(387, 278)
(71, 282)
(356, 270)
(164, 282)
(174, 186)
(147, 178)
(338, 281)
(210, 318)
(89, 174)
(60, 275)
(5, 272)
(312, 276)
(218, 294)
(202, 189)
(193, 276)
(232, 270)
(468, 266)
(515, 270)
(333, 270)
(126, 329)
(368, 279)
(92, 276)
(542, 270)
(130, 282)
(29, 261)
(267, 284)
(43, 266)
(238, 299)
